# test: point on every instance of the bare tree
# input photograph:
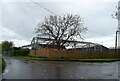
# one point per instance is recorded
(61, 28)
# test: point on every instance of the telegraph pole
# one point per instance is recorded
(116, 15)
(116, 41)
(118, 31)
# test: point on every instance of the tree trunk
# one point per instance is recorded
(58, 46)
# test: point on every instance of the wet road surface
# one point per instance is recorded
(18, 69)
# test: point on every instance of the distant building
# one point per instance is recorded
(113, 49)
(40, 46)
(95, 47)
(37, 43)
(26, 47)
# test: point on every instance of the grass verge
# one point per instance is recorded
(66, 59)
(2, 64)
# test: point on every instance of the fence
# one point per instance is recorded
(7, 53)
(71, 54)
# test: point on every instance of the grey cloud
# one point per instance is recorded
(22, 17)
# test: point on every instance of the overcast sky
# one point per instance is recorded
(19, 18)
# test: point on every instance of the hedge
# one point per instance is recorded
(3, 65)
(22, 52)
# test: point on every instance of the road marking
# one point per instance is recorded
(6, 71)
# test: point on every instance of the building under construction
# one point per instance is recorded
(39, 43)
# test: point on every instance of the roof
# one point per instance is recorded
(91, 46)
(69, 41)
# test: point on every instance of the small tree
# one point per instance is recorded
(61, 28)
(7, 46)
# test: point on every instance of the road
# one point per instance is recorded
(19, 69)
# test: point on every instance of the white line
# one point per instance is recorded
(6, 71)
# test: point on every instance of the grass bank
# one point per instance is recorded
(2, 64)
(66, 59)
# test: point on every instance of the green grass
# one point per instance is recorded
(29, 58)
(66, 59)
(0, 62)
(99, 60)
(3, 65)
(38, 58)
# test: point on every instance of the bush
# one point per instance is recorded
(3, 65)
(21, 52)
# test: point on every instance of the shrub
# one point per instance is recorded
(3, 65)
(21, 52)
